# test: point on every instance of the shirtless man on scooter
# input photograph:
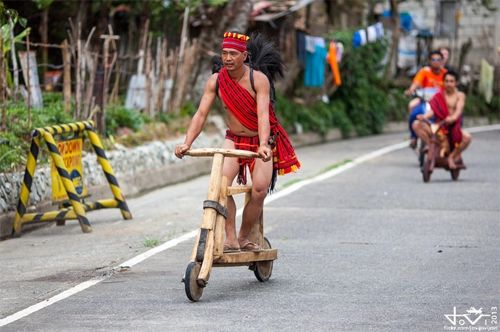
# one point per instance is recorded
(448, 106)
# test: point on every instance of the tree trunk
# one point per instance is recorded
(3, 86)
(234, 16)
(395, 39)
(81, 17)
(44, 33)
(15, 72)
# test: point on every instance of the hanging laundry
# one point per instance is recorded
(301, 48)
(310, 44)
(371, 32)
(380, 29)
(486, 80)
(359, 38)
(340, 51)
(314, 74)
(319, 41)
(334, 65)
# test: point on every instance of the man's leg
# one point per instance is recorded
(229, 170)
(455, 154)
(422, 130)
(415, 109)
(261, 178)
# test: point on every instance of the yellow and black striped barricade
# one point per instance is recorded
(77, 209)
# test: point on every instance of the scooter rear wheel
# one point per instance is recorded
(263, 269)
(454, 174)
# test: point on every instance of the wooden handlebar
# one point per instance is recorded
(208, 152)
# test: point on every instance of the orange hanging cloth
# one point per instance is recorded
(332, 60)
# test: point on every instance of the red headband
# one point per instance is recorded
(235, 40)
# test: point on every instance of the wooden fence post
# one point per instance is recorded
(66, 56)
(107, 73)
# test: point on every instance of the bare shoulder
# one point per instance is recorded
(261, 80)
(461, 95)
(212, 82)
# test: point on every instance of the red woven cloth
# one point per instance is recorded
(440, 108)
(242, 105)
(247, 144)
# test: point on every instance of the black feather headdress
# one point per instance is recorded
(262, 56)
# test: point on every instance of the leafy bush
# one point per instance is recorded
(320, 118)
(476, 105)
(11, 151)
(119, 117)
(363, 91)
(398, 109)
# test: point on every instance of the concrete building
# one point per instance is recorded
(454, 22)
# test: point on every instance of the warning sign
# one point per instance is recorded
(71, 153)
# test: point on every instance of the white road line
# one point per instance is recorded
(34, 308)
(172, 243)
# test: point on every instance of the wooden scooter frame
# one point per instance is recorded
(433, 158)
(209, 245)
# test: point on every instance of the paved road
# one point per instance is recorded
(372, 248)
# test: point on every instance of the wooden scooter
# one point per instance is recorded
(435, 158)
(209, 246)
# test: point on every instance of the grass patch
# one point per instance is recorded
(150, 242)
(288, 184)
(329, 168)
(337, 165)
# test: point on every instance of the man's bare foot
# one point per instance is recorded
(451, 162)
(246, 245)
(250, 246)
(230, 246)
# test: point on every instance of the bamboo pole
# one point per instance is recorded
(78, 95)
(92, 66)
(147, 74)
(66, 76)
(160, 85)
(3, 85)
(113, 98)
(28, 78)
(173, 109)
(15, 72)
(107, 75)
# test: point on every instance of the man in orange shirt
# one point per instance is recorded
(427, 77)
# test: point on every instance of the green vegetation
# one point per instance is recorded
(337, 165)
(476, 105)
(15, 142)
(362, 104)
(124, 126)
(150, 242)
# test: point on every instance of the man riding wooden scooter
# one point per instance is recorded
(447, 113)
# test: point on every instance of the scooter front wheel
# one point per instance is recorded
(426, 170)
(193, 289)
(454, 174)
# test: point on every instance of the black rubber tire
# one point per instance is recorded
(263, 269)
(421, 155)
(193, 290)
(454, 174)
(426, 172)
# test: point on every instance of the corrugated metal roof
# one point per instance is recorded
(270, 13)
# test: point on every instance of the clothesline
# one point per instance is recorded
(313, 53)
